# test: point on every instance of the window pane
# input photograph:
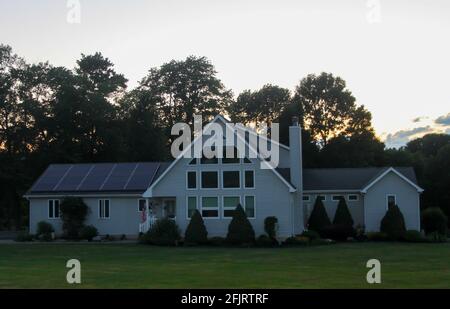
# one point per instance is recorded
(141, 205)
(209, 180)
(391, 200)
(193, 161)
(231, 179)
(250, 206)
(231, 201)
(209, 202)
(210, 213)
(56, 210)
(352, 197)
(50, 208)
(249, 183)
(234, 159)
(228, 213)
(321, 197)
(247, 160)
(192, 205)
(100, 208)
(336, 198)
(192, 180)
(306, 198)
(106, 209)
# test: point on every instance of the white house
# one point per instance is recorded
(117, 193)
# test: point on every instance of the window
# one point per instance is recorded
(103, 209)
(229, 205)
(169, 209)
(323, 198)
(192, 180)
(247, 160)
(306, 198)
(210, 207)
(336, 198)
(249, 180)
(231, 179)
(53, 209)
(191, 205)
(250, 206)
(235, 158)
(210, 180)
(391, 200)
(141, 204)
(193, 161)
(353, 198)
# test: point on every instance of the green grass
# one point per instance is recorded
(403, 265)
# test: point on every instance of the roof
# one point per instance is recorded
(342, 179)
(88, 178)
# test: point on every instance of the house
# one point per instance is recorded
(118, 193)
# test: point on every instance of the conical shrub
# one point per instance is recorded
(240, 230)
(196, 232)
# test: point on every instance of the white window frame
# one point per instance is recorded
(109, 208)
(187, 205)
(357, 198)
(201, 180)
(53, 208)
(138, 204)
(324, 197)
(307, 200)
(254, 179)
(239, 178)
(387, 199)
(228, 208)
(187, 180)
(218, 208)
(254, 205)
(338, 196)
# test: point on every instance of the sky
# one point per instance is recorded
(393, 54)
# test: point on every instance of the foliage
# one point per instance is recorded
(360, 233)
(44, 227)
(343, 216)
(318, 220)
(24, 236)
(434, 220)
(73, 214)
(296, 241)
(217, 241)
(88, 232)
(312, 235)
(164, 232)
(413, 236)
(266, 241)
(436, 237)
(338, 232)
(377, 236)
(270, 226)
(393, 223)
(240, 230)
(196, 232)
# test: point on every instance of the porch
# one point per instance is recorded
(152, 209)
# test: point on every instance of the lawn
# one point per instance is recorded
(403, 265)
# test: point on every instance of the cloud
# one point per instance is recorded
(443, 120)
(400, 138)
(419, 119)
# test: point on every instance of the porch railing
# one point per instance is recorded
(147, 224)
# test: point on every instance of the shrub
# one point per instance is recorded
(217, 241)
(24, 236)
(393, 223)
(88, 232)
(338, 232)
(434, 220)
(270, 226)
(196, 232)
(360, 233)
(413, 236)
(436, 237)
(312, 235)
(377, 236)
(44, 227)
(266, 241)
(343, 216)
(164, 232)
(240, 230)
(296, 241)
(73, 214)
(318, 219)
(123, 237)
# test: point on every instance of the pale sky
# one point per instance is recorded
(394, 55)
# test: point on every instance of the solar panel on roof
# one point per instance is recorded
(119, 177)
(96, 177)
(50, 178)
(73, 178)
(142, 176)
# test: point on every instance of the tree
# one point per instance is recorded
(318, 220)
(196, 232)
(73, 215)
(393, 223)
(240, 230)
(434, 220)
(343, 216)
(270, 226)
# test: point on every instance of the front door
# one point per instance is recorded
(169, 209)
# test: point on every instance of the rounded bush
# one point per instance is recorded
(413, 236)
(88, 232)
(312, 235)
(266, 241)
(434, 220)
(270, 226)
(44, 227)
(217, 241)
(164, 232)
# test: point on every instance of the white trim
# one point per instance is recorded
(228, 208)
(391, 169)
(349, 200)
(387, 199)
(254, 205)
(187, 180)
(187, 205)
(53, 206)
(218, 180)
(330, 191)
(148, 192)
(109, 209)
(210, 208)
(254, 179)
(239, 179)
(138, 204)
